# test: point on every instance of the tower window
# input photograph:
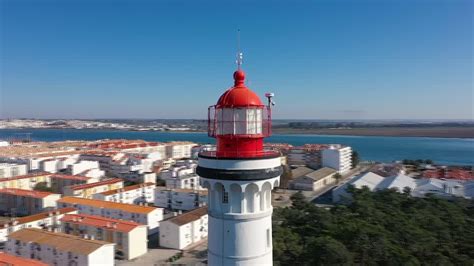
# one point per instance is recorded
(225, 197)
(268, 238)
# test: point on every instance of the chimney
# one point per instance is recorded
(114, 225)
(108, 225)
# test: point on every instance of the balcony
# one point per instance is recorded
(210, 152)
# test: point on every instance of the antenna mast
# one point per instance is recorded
(240, 55)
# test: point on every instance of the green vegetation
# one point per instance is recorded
(355, 159)
(382, 228)
(42, 186)
(417, 162)
(338, 177)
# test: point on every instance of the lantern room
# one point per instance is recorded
(239, 121)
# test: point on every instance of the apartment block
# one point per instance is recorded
(135, 194)
(46, 220)
(130, 238)
(88, 190)
(26, 202)
(12, 170)
(150, 216)
(180, 199)
(184, 230)
(10, 260)
(59, 249)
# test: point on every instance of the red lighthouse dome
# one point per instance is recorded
(239, 95)
(239, 121)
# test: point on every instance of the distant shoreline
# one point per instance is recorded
(428, 132)
(435, 132)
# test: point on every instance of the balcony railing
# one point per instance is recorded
(210, 151)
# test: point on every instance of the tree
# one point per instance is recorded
(375, 228)
(355, 158)
(325, 250)
(298, 201)
(338, 177)
(42, 186)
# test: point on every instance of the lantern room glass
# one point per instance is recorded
(239, 121)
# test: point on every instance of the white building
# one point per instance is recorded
(315, 180)
(444, 188)
(130, 238)
(10, 260)
(46, 220)
(184, 182)
(12, 170)
(179, 149)
(180, 199)
(337, 157)
(88, 190)
(24, 182)
(59, 249)
(54, 165)
(182, 231)
(149, 216)
(135, 194)
(447, 188)
(4, 143)
(57, 182)
(26, 202)
(82, 166)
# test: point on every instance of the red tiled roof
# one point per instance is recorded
(127, 188)
(188, 216)
(71, 177)
(99, 221)
(26, 193)
(36, 217)
(108, 205)
(10, 260)
(25, 176)
(95, 184)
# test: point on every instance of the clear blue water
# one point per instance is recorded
(382, 149)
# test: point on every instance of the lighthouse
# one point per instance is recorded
(239, 175)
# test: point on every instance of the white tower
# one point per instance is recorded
(240, 176)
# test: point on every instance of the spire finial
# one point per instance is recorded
(240, 55)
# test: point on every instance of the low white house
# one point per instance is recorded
(182, 231)
(130, 238)
(180, 199)
(150, 216)
(315, 180)
(135, 194)
(26, 202)
(402, 183)
(59, 249)
(46, 220)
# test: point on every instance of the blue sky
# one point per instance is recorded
(337, 59)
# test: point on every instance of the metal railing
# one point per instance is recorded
(211, 151)
(250, 122)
